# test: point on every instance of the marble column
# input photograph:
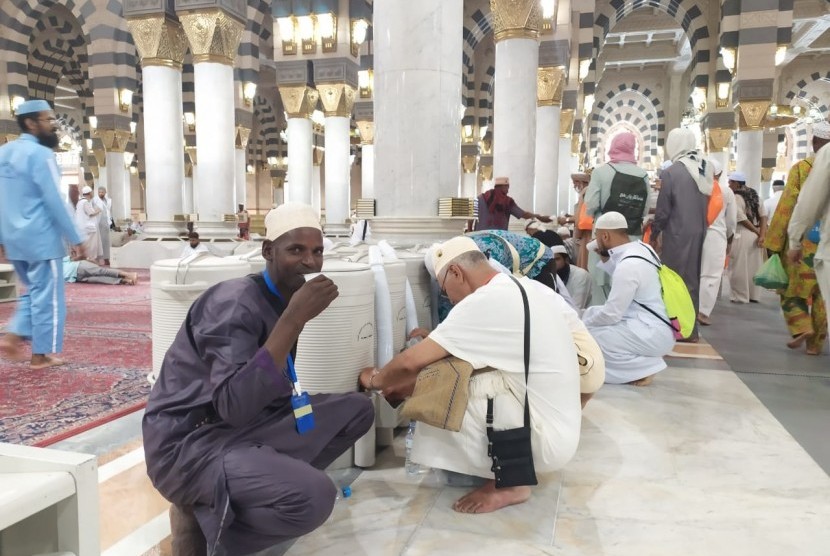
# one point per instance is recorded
(243, 134)
(417, 107)
(214, 37)
(549, 88)
(514, 107)
(718, 142)
(749, 154)
(161, 44)
(338, 101)
(299, 102)
(317, 179)
(564, 185)
(469, 178)
(367, 153)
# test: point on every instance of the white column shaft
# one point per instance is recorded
(338, 170)
(241, 193)
(215, 136)
(722, 157)
(187, 205)
(418, 57)
(514, 117)
(468, 184)
(118, 186)
(547, 159)
(299, 161)
(564, 185)
(367, 172)
(750, 151)
(316, 187)
(163, 141)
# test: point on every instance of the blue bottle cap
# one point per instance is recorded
(347, 491)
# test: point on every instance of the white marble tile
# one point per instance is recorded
(434, 542)
(374, 542)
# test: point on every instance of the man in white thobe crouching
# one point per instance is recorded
(632, 327)
(486, 329)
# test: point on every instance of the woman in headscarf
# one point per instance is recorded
(621, 186)
(680, 222)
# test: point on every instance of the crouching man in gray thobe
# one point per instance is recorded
(220, 434)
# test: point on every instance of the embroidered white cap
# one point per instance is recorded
(717, 168)
(444, 254)
(290, 216)
(611, 221)
(86, 190)
(563, 231)
(561, 249)
(821, 130)
(737, 176)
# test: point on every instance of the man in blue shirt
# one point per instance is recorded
(33, 226)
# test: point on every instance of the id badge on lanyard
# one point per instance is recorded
(300, 400)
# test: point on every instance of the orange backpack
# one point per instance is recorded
(715, 204)
(583, 221)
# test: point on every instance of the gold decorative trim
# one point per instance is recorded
(337, 99)
(100, 156)
(8, 138)
(213, 35)
(751, 114)
(299, 101)
(486, 172)
(516, 19)
(566, 122)
(766, 174)
(468, 163)
(719, 138)
(160, 41)
(550, 85)
(241, 137)
(114, 140)
(367, 132)
(318, 156)
(190, 151)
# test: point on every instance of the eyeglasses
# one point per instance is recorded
(444, 282)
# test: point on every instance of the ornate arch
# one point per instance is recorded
(630, 102)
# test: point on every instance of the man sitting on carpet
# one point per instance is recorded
(220, 432)
(88, 272)
(484, 337)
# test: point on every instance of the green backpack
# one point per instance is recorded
(678, 302)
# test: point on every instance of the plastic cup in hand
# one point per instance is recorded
(312, 275)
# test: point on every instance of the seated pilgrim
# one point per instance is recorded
(576, 279)
(629, 327)
(487, 337)
(220, 436)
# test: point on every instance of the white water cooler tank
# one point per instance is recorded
(174, 285)
(396, 278)
(339, 342)
(420, 282)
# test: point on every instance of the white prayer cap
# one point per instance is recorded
(563, 231)
(822, 130)
(666, 164)
(716, 167)
(290, 216)
(737, 176)
(561, 249)
(86, 190)
(444, 254)
(611, 221)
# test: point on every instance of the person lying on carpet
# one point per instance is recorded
(228, 438)
(88, 272)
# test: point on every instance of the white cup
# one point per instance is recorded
(312, 275)
(592, 246)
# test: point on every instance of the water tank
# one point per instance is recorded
(174, 286)
(396, 277)
(419, 280)
(337, 344)
(254, 258)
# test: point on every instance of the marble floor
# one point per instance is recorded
(695, 464)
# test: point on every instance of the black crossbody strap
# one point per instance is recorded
(652, 311)
(489, 417)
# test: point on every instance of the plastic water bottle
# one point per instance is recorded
(412, 468)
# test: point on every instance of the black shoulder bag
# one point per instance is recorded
(510, 449)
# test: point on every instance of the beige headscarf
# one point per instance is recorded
(681, 147)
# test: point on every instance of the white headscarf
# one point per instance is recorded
(681, 147)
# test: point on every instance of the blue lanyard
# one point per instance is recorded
(292, 374)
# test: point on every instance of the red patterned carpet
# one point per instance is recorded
(108, 349)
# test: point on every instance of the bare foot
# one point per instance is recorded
(11, 346)
(45, 361)
(488, 498)
(643, 381)
(797, 342)
(703, 319)
(814, 352)
(132, 278)
(584, 399)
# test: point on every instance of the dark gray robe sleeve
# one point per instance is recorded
(243, 377)
(665, 203)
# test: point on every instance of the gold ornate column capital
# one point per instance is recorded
(751, 114)
(486, 171)
(213, 35)
(114, 140)
(160, 41)
(337, 99)
(550, 85)
(516, 19)
(318, 157)
(366, 129)
(299, 101)
(766, 174)
(719, 138)
(468, 163)
(242, 135)
(566, 122)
